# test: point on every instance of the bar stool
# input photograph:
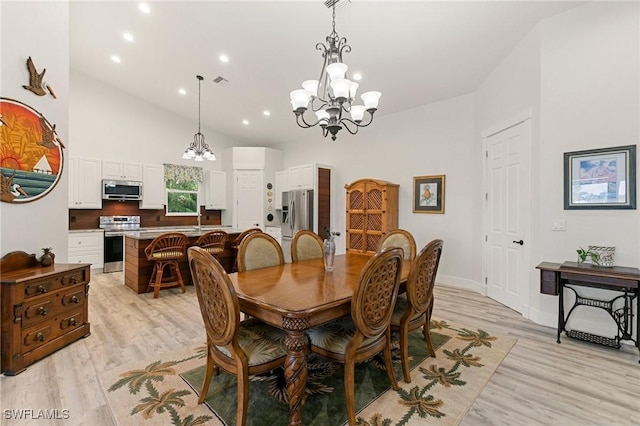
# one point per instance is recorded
(165, 250)
(213, 242)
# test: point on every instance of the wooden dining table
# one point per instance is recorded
(295, 297)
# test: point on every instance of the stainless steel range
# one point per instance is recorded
(114, 229)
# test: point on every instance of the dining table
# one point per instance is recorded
(296, 297)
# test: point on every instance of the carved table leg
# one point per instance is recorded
(295, 366)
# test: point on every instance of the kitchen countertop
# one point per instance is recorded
(77, 231)
(189, 231)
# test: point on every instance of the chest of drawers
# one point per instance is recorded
(43, 309)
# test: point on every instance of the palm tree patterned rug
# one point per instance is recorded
(165, 391)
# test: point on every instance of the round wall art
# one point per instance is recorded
(31, 158)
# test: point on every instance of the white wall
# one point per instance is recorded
(590, 87)
(110, 124)
(430, 140)
(39, 30)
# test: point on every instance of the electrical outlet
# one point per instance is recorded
(559, 225)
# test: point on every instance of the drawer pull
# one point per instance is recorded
(42, 311)
(73, 322)
(40, 336)
(75, 300)
(42, 289)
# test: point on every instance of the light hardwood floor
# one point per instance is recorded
(539, 383)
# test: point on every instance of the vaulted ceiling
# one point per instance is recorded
(414, 52)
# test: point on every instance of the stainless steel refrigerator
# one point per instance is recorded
(297, 214)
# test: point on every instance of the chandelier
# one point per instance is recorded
(198, 150)
(332, 96)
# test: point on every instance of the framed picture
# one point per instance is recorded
(600, 178)
(428, 194)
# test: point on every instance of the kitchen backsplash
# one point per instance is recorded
(89, 219)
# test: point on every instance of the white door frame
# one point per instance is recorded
(518, 118)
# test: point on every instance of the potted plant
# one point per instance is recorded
(583, 254)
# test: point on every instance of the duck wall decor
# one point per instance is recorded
(37, 84)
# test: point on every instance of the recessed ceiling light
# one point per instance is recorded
(144, 8)
(357, 76)
(127, 36)
(267, 113)
(224, 58)
(115, 58)
(182, 91)
(245, 122)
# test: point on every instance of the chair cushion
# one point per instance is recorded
(402, 304)
(166, 254)
(398, 240)
(261, 342)
(260, 254)
(307, 248)
(335, 335)
(213, 250)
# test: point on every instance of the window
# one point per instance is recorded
(182, 198)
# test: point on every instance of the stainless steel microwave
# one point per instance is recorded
(121, 190)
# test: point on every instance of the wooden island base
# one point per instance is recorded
(137, 269)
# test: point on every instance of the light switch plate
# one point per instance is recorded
(559, 225)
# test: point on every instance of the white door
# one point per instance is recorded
(507, 213)
(249, 198)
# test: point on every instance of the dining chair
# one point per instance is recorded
(399, 238)
(366, 332)
(259, 250)
(236, 244)
(164, 251)
(306, 245)
(413, 308)
(242, 348)
(213, 242)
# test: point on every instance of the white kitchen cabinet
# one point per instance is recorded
(153, 187)
(87, 247)
(215, 196)
(85, 186)
(121, 170)
(275, 232)
(302, 177)
(282, 184)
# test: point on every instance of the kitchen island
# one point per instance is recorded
(137, 269)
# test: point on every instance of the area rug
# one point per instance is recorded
(165, 391)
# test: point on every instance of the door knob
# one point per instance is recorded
(519, 242)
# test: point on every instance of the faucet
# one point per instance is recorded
(199, 224)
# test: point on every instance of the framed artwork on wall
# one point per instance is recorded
(428, 194)
(602, 178)
(31, 158)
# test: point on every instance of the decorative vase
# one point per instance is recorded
(48, 257)
(329, 247)
(605, 255)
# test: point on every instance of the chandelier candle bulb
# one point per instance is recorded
(300, 99)
(337, 70)
(357, 112)
(353, 89)
(324, 116)
(341, 87)
(311, 86)
(371, 99)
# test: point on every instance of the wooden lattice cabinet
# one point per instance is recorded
(372, 211)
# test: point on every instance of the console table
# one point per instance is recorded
(555, 277)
